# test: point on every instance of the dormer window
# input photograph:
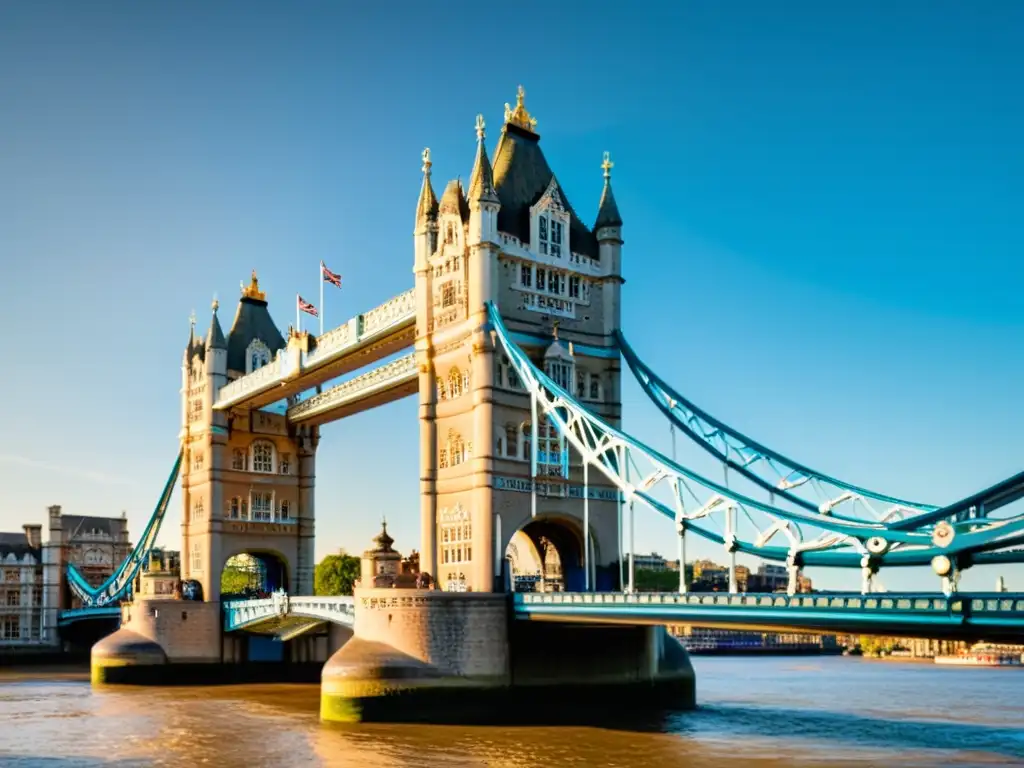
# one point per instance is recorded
(551, 217)
(257, 355)
(556, 238)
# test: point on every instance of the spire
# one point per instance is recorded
(426, 209)
(382, 539)
(215, 337)
(454, 200)
(190, 347)
(481, 180)
(607, 211)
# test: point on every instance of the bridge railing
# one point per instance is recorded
(974, 603)
(241, 613)
(395, 312)
(383, 377)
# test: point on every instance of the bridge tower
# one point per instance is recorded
(247, 475)
(513, 239)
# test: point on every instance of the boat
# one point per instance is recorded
(986, 655)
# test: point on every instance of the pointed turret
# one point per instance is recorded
(607, 211)
(481, 180)
(454, 200)
(215, 336)
(190, 347)
(254, 339)
(426, 208)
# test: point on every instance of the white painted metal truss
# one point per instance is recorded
(794, 534)
(239, 614)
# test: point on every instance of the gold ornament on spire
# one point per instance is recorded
(607, 165)
(192, 319)
(480, 125)
(426, 162)
(252, 291)
(216, 304)
(519, 116)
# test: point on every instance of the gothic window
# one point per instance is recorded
(443, 463)
(581, 384)
(456, 262)
(262, 457)
(553, 280)
(195, 558)
(239, 459)
(456, 536)
(526, 276)
(456, 447)
(263, 506)
(286, 510)
(454, 383)
(513, 377)
(549, 451)
(560, 372)
(197, 510)
(448, 297)
(556, 238)
(574, 286)
(542, 231)
(541, 278)
(449, 233)
(595, 387)
(442, 391)
(284, 466)
(257, 355)
(465, 381)
(197, 460)
(196, 408)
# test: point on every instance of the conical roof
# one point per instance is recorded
(252, 321)
(454, 200)
(426, 208)
(215, 336)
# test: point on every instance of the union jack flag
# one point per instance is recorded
(306, 307)
(330, 277)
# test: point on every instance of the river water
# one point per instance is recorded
(792, 711)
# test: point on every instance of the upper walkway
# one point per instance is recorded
(966, 616)
(362, 340)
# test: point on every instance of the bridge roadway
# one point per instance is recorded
(966, 616)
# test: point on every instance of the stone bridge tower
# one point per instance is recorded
(512, 238)
(247, 474)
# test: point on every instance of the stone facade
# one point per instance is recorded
(24, 616)
(513, 240)
(248, 475)
(96, 546)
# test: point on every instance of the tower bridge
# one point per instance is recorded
(511, 339)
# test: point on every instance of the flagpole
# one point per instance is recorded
(321, 298)
(298, 315)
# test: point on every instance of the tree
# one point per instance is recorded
(336, 574)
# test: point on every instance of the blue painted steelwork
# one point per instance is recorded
(242, 614)
(963, 615)
(87, 614)
(754, 461)
(119, 584)
(814, 536)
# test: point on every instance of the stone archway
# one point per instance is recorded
(253, 574)
(546, 555)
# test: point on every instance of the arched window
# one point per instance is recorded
(257, 355)
(456, 447)
(443, 463)
(239, 459)
(262, 456)
(442, 390)
(454, 383)
(500, 445)
(465, 381)
(197, 510)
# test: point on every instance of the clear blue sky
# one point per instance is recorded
(822, 207)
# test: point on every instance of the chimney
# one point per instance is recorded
(34, 534)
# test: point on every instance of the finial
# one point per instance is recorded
(252, 291)
(519, 116)
(426, 161)
(480, 125)
(192, 319)
(216, 304)
(607, 165)
(554, 329)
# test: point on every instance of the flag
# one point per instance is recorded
(305, 306)
(330, 277)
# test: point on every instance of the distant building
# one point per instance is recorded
(24, 616)
(96, 545)
(380, 565)
(705, 640)
(651, 562)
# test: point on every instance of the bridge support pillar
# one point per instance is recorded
(459, 657)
